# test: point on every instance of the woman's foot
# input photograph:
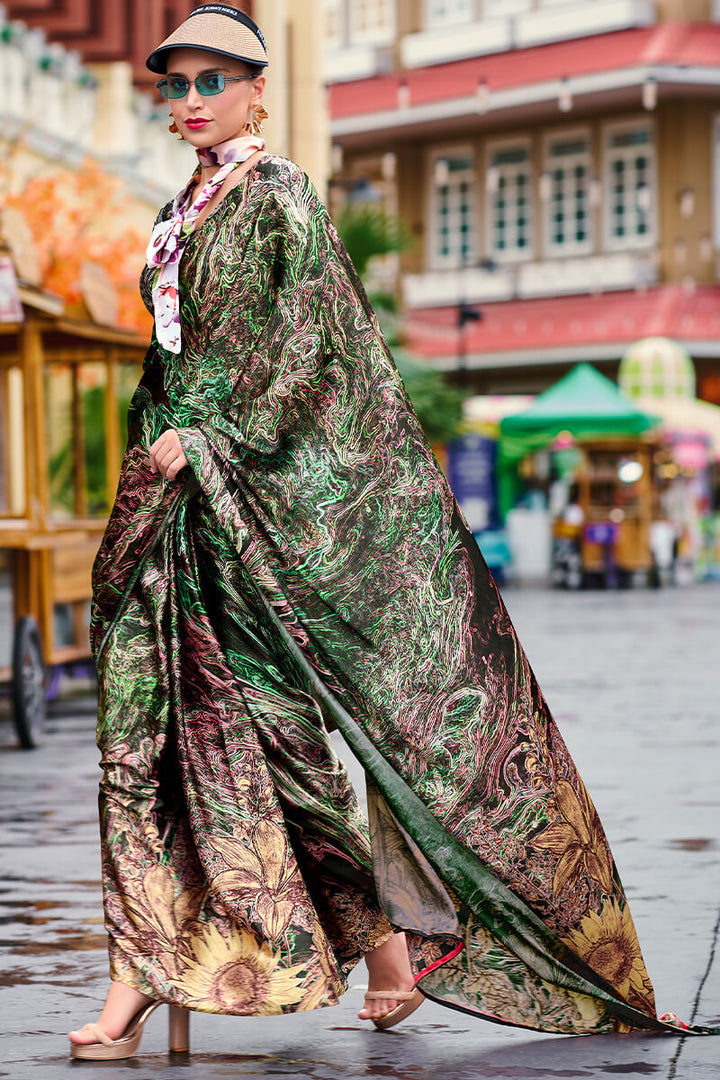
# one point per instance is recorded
(388, 969)
(121, 1005)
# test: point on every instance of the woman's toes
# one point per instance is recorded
(82, 1036)
(377, 1008)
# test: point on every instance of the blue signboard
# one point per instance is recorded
(471, 472)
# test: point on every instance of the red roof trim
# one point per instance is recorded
(562, 322)
(685, 44)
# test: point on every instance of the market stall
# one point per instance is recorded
(65, 382)
(576, 483)
(659, 376)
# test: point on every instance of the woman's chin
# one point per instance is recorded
(200, 140)
(211, 136)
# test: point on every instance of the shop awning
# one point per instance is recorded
(585, 403)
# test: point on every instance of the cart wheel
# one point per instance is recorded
(28, 683)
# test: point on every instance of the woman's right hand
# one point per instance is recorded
(167, 456)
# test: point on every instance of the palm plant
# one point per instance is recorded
(368, 231)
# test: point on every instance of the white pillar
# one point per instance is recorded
(115, 128)
(12, 79)
(295, 96)
(272, 18)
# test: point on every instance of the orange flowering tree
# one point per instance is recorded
(82, 216)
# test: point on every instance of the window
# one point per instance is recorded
(334, 24)
(453, 210)
(568, 216)
(510, 201)
(448, 12)
(372, 21)
(629, 186)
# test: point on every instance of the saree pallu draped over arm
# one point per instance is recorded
(314, 568)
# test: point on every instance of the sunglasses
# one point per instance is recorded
(176, 86)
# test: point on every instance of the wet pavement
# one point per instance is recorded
(633, 681)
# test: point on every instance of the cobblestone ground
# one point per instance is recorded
(633, 680)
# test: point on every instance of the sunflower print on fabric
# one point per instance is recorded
(313, 568)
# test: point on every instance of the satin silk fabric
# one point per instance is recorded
(312, 566)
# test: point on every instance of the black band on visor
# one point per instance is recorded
(232, 13)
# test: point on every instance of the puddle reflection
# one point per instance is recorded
(694, 844)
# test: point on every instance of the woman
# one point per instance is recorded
(284, 554)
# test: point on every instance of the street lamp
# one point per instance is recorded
(468, 313)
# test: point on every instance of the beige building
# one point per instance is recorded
(558, 164)
(295, 94)
(62, 103)
(73, 86)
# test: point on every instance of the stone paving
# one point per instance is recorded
(633, 681)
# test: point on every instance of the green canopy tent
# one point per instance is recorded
(584, 403)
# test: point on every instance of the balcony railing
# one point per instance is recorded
(51, 103)
(500, 27)
(356, 62)
(547, 277)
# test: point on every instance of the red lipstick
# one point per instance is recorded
(196, 123)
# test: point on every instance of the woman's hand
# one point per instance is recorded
(167, 455)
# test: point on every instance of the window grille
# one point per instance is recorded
(510, 202)
(453, 211)
(334, 30)
(372, 21)
(630, 186)
(568, 215)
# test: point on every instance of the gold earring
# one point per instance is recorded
(174, 130)
(257, 117)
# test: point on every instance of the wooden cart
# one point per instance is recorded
(59, 467)
(608, 539)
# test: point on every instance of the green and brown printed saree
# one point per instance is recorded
(312, 569)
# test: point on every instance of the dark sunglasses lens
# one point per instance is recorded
(177, 88)
(207, 85)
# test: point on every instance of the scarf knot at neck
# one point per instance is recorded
(232, 151)
(169, 237)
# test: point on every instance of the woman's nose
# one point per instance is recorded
(193, 97)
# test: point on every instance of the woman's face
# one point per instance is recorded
(225, 115)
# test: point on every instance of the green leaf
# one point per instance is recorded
(368, 230)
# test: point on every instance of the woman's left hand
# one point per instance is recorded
(167, 455)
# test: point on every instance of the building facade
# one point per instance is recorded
(73, 82)
(558, 165)
(61, 102)
(101, 32)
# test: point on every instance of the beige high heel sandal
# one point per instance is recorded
(410, 1001)
(107, 1049)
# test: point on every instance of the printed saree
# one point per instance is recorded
(313, 570)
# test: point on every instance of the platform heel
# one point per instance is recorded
(178, 1030)
(106, 1049)
(126, 1046)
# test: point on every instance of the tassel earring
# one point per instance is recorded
(174, 130)
(256, 118)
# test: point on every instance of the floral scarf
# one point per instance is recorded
(169, 237)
